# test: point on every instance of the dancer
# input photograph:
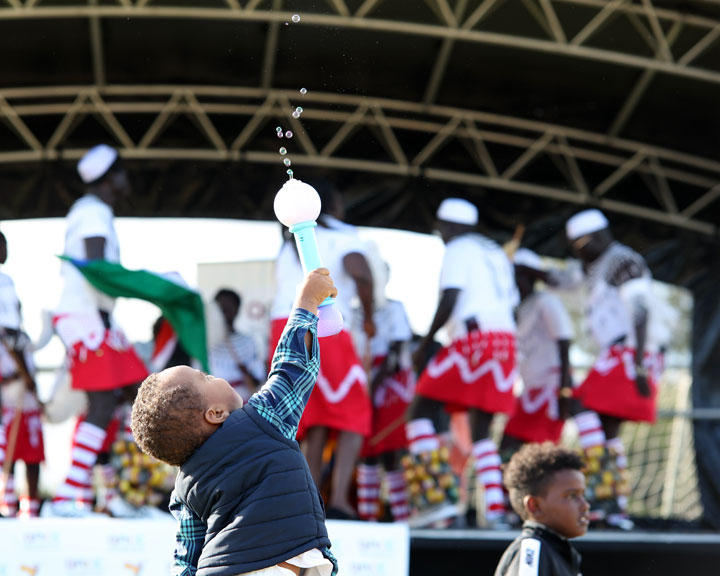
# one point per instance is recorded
(20, 410)
(392, 386)
(101, 360)
(621, 384)
(244, 498)
(340, 404)
(544, 333)
(477, 370)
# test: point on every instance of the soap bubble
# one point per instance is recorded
(303, 90)
(296, 18)
(299, 110)
(296, 114)
(278, 129)
(283, 151)
(290, 173)
(279, 134)
(287, 162)
(288, 134)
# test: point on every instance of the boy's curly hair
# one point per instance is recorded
(165, 418)
(531, 469)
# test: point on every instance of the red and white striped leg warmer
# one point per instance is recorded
(9, 503)
(87, 442)
(590, 430)
(29, 507)
(368, 491)
(489, 474)
(421, 436)
(397, 495)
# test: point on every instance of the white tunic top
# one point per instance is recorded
(609, 309)
(89, 217)
(542, 321)
(479, 268)
(9, 304)
(333, 246)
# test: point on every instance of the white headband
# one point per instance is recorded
(458, 210)
(96, 162)
(585, 222)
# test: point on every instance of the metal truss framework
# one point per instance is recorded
(568, 148)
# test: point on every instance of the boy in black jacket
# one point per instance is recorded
(547, 487)
(244, 498)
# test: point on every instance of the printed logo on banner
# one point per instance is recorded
(41, 540)
(375, 547)
(83, 566)
(119, 542)
(364, 568)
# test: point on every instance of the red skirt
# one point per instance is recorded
(390, 403)
(340, 399)
(113, 365)
(29, 446)
(609, 388)
(476, 371)
(535, 425)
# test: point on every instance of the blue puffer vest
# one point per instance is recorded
(252, 487)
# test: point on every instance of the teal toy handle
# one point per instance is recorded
(330, 320)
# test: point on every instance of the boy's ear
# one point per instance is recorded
(216, 416)
(531, 504)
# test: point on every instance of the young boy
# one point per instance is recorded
(547, 487)
(244, 497)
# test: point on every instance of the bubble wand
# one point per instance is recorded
(297, 205)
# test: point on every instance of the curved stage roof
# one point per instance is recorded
(531, 108)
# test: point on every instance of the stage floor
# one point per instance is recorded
(616, 553)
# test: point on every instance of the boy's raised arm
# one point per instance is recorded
(296, 361)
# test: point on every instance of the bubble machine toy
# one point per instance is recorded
(297, 206)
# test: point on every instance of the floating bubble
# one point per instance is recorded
(296, 114)
(279, 134)
(296, 18)
(303, 90)
(290, 173)
(283, 151)
(288, 134)
(278, 129)
(287, 162)
(299, 110)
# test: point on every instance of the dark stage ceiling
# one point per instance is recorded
(530, 108)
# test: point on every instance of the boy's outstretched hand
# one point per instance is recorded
(314, 289)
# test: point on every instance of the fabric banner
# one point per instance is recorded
(114, 547)
(182, 306)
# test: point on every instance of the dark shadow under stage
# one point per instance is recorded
(476, 552)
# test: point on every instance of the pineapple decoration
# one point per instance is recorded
(430, 478)
(141, 480)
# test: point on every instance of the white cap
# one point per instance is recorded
(528, 258)
(585, 222)
(96, 162)
(458, 210)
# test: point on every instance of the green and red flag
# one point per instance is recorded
(181, 306)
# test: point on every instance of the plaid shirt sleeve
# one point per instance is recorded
(189, 538)
(293, 374)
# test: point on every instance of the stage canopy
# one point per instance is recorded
(530, 108)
